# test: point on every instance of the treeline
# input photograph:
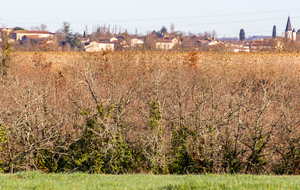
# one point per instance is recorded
(161, 113)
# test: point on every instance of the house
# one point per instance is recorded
(172, 38)
(99, 46)
(190, 42)
(209, 44)
(85, 40)
(8, 30)
(206, 41)
(136, 41)
(121, 41)
(260, 45)
(164, 44)
(236, 49)
(33, 37)
(107, 39)
(175, 40)
(19, 34)
(237, 46)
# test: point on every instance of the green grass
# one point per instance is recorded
(37, 180)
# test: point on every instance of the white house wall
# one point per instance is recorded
(136, 41)
(106, 47)
(97, 47)
(165, 46)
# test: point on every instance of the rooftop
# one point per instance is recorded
(288, 25)
(32, 32)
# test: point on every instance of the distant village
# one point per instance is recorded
(104, 40)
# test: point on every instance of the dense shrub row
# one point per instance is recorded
(151, 113)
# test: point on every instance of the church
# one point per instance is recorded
(289, 32)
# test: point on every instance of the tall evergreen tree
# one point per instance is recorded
(66, 28)
(274, 32)
(242, 35)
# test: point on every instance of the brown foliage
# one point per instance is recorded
(224, 112)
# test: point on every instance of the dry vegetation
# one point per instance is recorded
(158, 112)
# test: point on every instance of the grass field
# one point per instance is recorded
(37, 180)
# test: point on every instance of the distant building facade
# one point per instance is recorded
(166, 43)
(99, 46)
(136, 41)
(19, 34)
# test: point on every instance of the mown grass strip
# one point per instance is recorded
(37, 180)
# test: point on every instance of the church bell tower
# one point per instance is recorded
(289, 32)
(288, 29)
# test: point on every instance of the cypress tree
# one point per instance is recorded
(242, 35)
(274, 32)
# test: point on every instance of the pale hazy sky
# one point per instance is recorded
(226, 17)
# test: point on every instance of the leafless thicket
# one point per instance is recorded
(151, 112)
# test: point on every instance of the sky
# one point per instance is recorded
(225, 17)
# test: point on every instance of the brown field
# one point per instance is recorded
(60, 59)
(158, 112)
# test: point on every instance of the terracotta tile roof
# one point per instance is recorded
(32, 32)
